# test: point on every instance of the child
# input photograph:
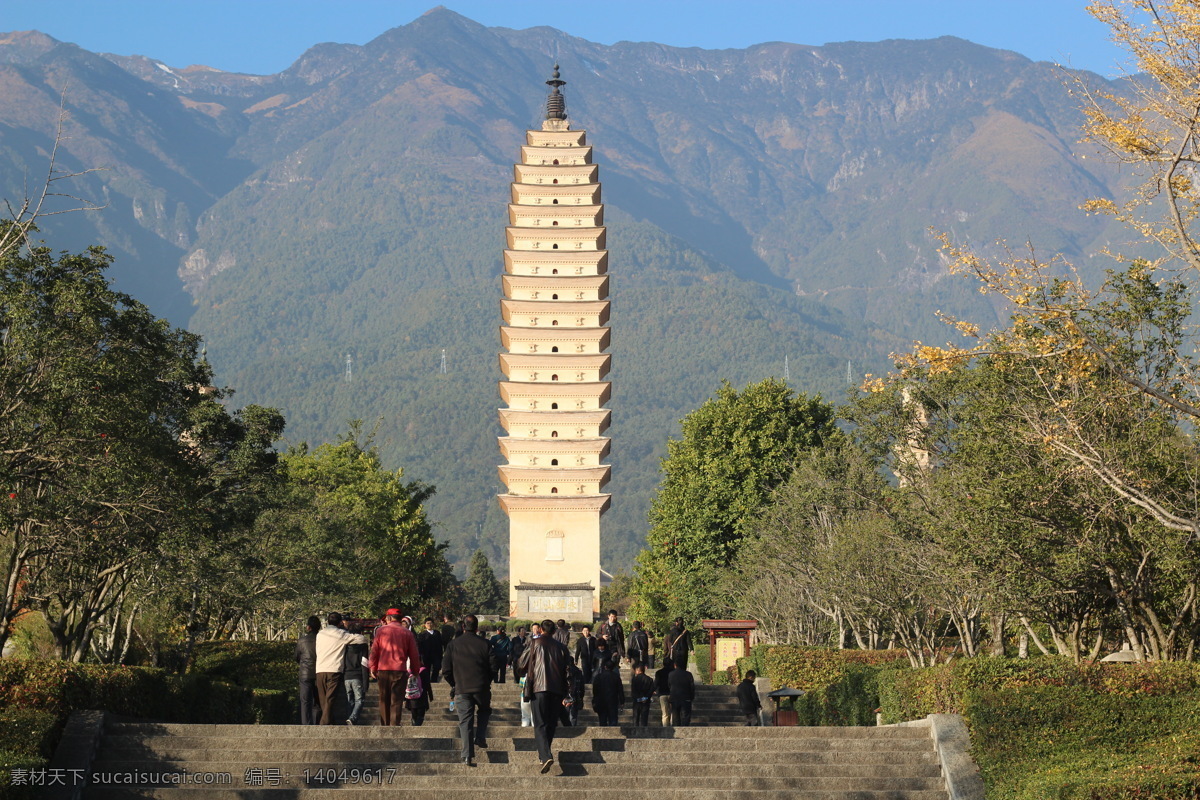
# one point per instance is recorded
(641, 687)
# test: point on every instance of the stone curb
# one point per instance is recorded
(76, 750)
(952, 741)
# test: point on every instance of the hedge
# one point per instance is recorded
(1047, 727)
(513, 624)
(61, 687)
(256, 665)
(38, 696)
(850, 700)
(914, 694)
(1076, 743)
(10, 761)
(27, 740)
(811, 668)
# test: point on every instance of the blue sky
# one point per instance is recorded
(265, 36)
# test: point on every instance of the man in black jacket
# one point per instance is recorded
(608, 695)
(585, 652)
(562, 632)
(615, 634)
(641, 689)
(638, 644)
(544, 663)
(662, 688)
(467, 667)
(683, 692)
(516, 646)
(429, 643)
(679, 643)
(306, 657)
(748, 702)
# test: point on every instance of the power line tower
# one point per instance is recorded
(786, 375)
(349, 368)
(443, 361)
(849, 375)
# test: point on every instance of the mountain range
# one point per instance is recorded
(333, 229)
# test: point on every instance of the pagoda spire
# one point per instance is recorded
(556, 104)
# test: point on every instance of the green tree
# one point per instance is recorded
(735, 449)
(1051, 542)
(97, 394)
(348, 533)
(484, 594)
(1140, 339)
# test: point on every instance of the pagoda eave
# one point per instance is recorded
(592, 503)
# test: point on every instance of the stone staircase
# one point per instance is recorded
(714, 759)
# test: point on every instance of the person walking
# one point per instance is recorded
(394, 656)
(615, 634)
(585, 653)
(306, 658)
(679, 643)
(641, 689)
(544, 663)
(608, 695)
(577, 683)
(467, 666)
(516, 647)
(649, 649)
(352, 674)
(638, 644)
(603, 655)
(501, 650)
(683, 691)
(331, 644)
(562, 632)
(662, 688)
(748, 701)
(429, 643)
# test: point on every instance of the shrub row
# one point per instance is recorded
(27, 740)
(60, 687)
(850, 700)
(1076, 743)
(810, 668)
(231, 682)
(255, 665)
(1046, 727)
(914, 694)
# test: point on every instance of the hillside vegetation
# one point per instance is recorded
(767, 202)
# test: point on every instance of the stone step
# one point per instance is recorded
(528, 780)
(627, 759)
(880, 767)
(550, 792)
(438, 750)
(630, 733)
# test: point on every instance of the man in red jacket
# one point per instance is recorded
(393, 658)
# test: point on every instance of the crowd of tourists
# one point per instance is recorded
(341, 658)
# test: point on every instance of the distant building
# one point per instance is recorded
(555, 332)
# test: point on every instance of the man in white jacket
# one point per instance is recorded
(331, 650)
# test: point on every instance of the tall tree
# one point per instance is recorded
(96, 395)
(348, 533)
(735, 449)
(1140, 338)
(484, 594)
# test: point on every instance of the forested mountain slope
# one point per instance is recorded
(767, 202)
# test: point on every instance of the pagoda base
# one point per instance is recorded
(573, 602)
